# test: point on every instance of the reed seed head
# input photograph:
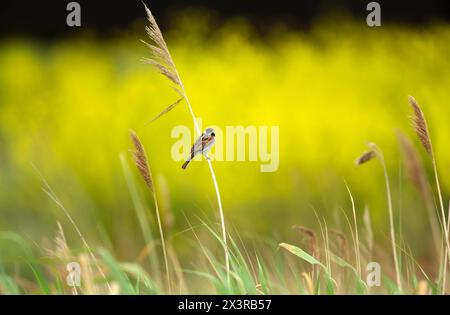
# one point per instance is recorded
(311, 237)
(140, 159)
(161, 60)
(420, 125)
(366, 157)
(160, 56)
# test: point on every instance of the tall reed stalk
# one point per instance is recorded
(162, 61)
(375, 152)
(421, 128)
(141, 161)
(417, 175)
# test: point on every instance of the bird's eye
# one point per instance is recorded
(213, 134)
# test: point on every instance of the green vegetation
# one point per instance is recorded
(65, 113)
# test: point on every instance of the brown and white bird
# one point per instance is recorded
(202, 145)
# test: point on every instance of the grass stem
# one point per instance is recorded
(391, 221)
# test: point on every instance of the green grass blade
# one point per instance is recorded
(297, 251)
(115, 270)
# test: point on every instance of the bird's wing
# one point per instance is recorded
(197, 147)
(201, 143)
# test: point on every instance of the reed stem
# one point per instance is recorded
(391, 221)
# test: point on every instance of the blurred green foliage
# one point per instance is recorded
(66, 108)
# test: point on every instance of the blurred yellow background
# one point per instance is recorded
(66, 108)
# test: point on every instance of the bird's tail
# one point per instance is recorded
(188, 160)
(185, 164)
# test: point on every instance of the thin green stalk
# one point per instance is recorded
(358, 255)
(49, 191)
(163, 242)
(216, 186)
(444, 225)
(446, 252)
(391, 221)
(143, 166)
(141, 213)
(421, 127)
(163, 63)
(375, 152)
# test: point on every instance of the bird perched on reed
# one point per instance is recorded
(202, 145)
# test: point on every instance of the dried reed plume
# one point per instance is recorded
(365, 157)
(421, 128)
(312, 239)
(162, 61)
(313, 245)
(373, 152)
(166, 110)
(141, 161)
(420, 125)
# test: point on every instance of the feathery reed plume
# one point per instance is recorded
(166, 110)
(379, 155)
(365, 157)
(163, 62)
(420, 125)
(416, 173)
(141, 161)
(421, 128)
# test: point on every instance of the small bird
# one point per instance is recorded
(202, 145)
